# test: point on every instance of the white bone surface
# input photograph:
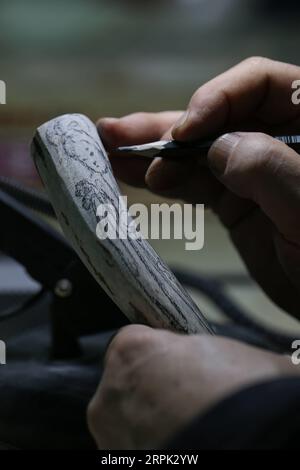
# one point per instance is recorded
(75, 169)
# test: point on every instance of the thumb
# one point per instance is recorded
(265, 170)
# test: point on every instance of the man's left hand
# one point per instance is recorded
(155, 382)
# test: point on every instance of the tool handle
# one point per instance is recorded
(175, 150)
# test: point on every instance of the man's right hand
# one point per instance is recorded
(252, 182)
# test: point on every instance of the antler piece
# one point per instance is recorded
(77, 174)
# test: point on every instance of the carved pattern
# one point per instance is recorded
(75, 169)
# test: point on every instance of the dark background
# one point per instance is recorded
(110, 57)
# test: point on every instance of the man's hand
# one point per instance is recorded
(252, 181)
(155, 382)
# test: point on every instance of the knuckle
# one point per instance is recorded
(207, 103)
(256, 61)
(195, 97)
(200, 98)
(141, 115)
(130, 341)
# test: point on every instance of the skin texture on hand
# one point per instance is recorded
(252, 180)
(155, 382)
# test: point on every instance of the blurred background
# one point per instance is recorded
(113, 57)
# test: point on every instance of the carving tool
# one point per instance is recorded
(172, 149)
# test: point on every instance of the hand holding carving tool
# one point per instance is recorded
(171, 149)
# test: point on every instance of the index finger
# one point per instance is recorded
(136, 128)
(256, 92)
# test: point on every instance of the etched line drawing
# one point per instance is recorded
(77, 174)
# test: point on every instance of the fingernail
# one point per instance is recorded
(105, 131)
(220, 151)
(180, 124)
